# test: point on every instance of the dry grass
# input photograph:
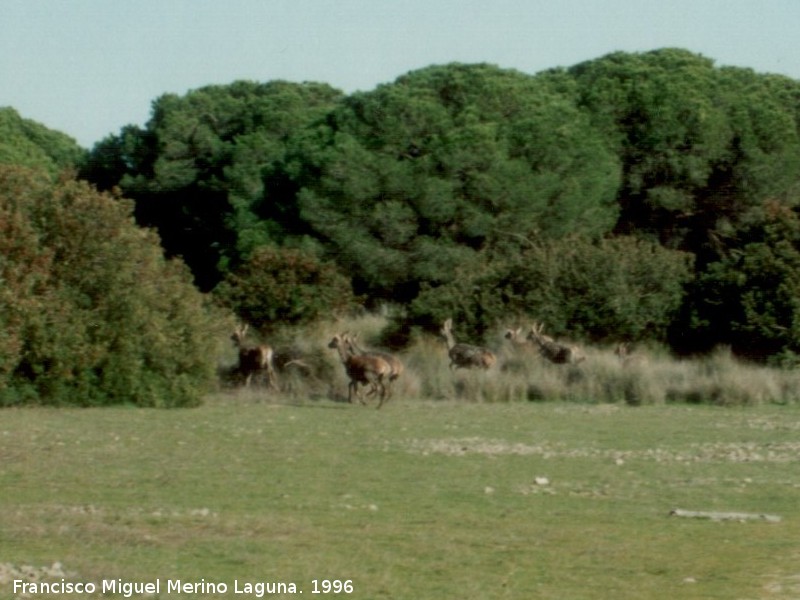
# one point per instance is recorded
(647, 377)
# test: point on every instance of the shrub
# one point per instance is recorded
(285, 286)
(91, 311)
(619, 288)
(750, 298)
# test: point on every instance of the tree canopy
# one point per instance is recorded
(195, 170)
(492, 192)
(27, 143)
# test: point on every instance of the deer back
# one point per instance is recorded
(359, 367)
(559, 354)
(368, 368)
(395, 364)
(253, 359)
(468, 356)
(465, 355)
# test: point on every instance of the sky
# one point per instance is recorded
(90, 67)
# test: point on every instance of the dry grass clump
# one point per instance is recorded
(10, 572)
(721, 379)
(647, 376)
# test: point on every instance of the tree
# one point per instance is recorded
(750, 299)
(700, 146)
(195, 170)
(27, 143)
(442, 177)
(448, 158)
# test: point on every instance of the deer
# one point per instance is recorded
(560, 354)
(395, 364)
(626, 356)
(465, 356)
(361, 368)
(517, 338)
(253, 359)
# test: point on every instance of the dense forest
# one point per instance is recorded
(649, 196)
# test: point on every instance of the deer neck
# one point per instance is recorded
(449, 340)
(344, 353)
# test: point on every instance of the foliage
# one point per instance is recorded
(750, 299)
(29, 144)
(406, 184)
(91, 312)
(422, 189)
(195, 169)
(618, 289)
(700, 147)
(285, 286)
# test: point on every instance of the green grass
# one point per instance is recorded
(419, 500)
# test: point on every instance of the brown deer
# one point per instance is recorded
(465, 356)
(560, 354)
(395, 364)
(361, 368)
(253, 360)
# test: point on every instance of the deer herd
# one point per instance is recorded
(378, 371)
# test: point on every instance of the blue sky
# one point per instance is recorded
(89, 67)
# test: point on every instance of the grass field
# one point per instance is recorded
(422, 499)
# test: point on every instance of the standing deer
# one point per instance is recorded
(253, 360)
(361, 368)
(465, 356)
(559, 354)
(395, 364)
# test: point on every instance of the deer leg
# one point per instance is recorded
(383, 394)
(272, 378)
(353, 390)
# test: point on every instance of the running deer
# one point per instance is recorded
(361, 368)
(627, 357)
(253, 360)
(465, 356)
(559, 354)
(395, 364)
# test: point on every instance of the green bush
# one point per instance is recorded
(750, 298)
(619, 288)
(285, 286)
(91, 312)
